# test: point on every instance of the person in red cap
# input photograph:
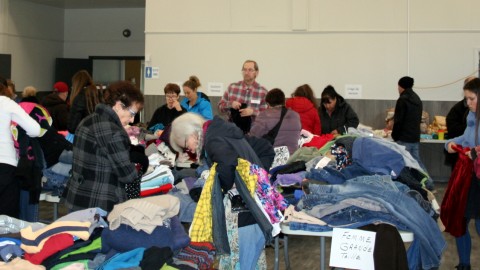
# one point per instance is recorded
(57, 105)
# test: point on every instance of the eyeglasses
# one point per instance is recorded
(171, 96)
(132, 112)
(185, 149)
(185, 146)
(245, 70)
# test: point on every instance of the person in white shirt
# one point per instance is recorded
(9, 188)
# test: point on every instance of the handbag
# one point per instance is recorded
(272, 134)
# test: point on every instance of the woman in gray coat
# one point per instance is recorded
(290, 128)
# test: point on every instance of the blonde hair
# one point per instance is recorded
(29, 91)
(183, 127)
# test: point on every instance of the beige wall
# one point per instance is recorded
(368, 43)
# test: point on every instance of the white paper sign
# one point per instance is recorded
(352, 249)
(353, 91)
(155, 72)
(215, 88)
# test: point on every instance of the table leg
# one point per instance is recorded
(276, 253)
(285, 247)
(322, 252)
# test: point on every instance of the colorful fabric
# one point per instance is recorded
(156, 191)
(33, 241)
(201, 229)
(342, 157)
(232, 260)
(11, 111)
(272, 201)
(53, 245)
(202, 254)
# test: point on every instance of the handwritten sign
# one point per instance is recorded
(215, 88)
(352, 249)
(353, 91)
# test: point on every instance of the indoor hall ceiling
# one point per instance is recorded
(91, 4)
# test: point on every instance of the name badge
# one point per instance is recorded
(255, 101)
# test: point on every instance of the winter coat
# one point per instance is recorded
(58, 109)
(308, 114)
(78, 111)
(224, 144)
(289, 132)
(407, 117)
(101, 162)
(341, 118)
(202, 106)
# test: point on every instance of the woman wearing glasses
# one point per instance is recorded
(101, 151)
(165, 114)
(336, 115)
(221, 142)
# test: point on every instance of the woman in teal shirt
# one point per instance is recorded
(194, 101)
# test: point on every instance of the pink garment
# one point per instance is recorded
(271, 200)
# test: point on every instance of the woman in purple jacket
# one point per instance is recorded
(289, 132)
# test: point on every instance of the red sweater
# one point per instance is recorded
(308, 114)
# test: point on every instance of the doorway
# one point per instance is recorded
(104, 70)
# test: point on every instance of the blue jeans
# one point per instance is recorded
(414, 150)
(430, 240)
(251, 244)
(28, 212)
(464, 244)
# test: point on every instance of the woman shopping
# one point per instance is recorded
(467, 204)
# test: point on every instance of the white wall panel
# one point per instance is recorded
(368, 43)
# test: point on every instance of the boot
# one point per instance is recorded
(463, 267)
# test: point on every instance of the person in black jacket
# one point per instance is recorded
(456, 123)
(57, 105)
(336, 115)
(406, 121)
(83, 99)
(165, 114)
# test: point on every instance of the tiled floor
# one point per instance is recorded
(304, 252)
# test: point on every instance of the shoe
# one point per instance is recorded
(280, 244)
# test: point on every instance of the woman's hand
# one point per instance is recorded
(450, 147)
(158, 133)
(469, 154)
(177, 105)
